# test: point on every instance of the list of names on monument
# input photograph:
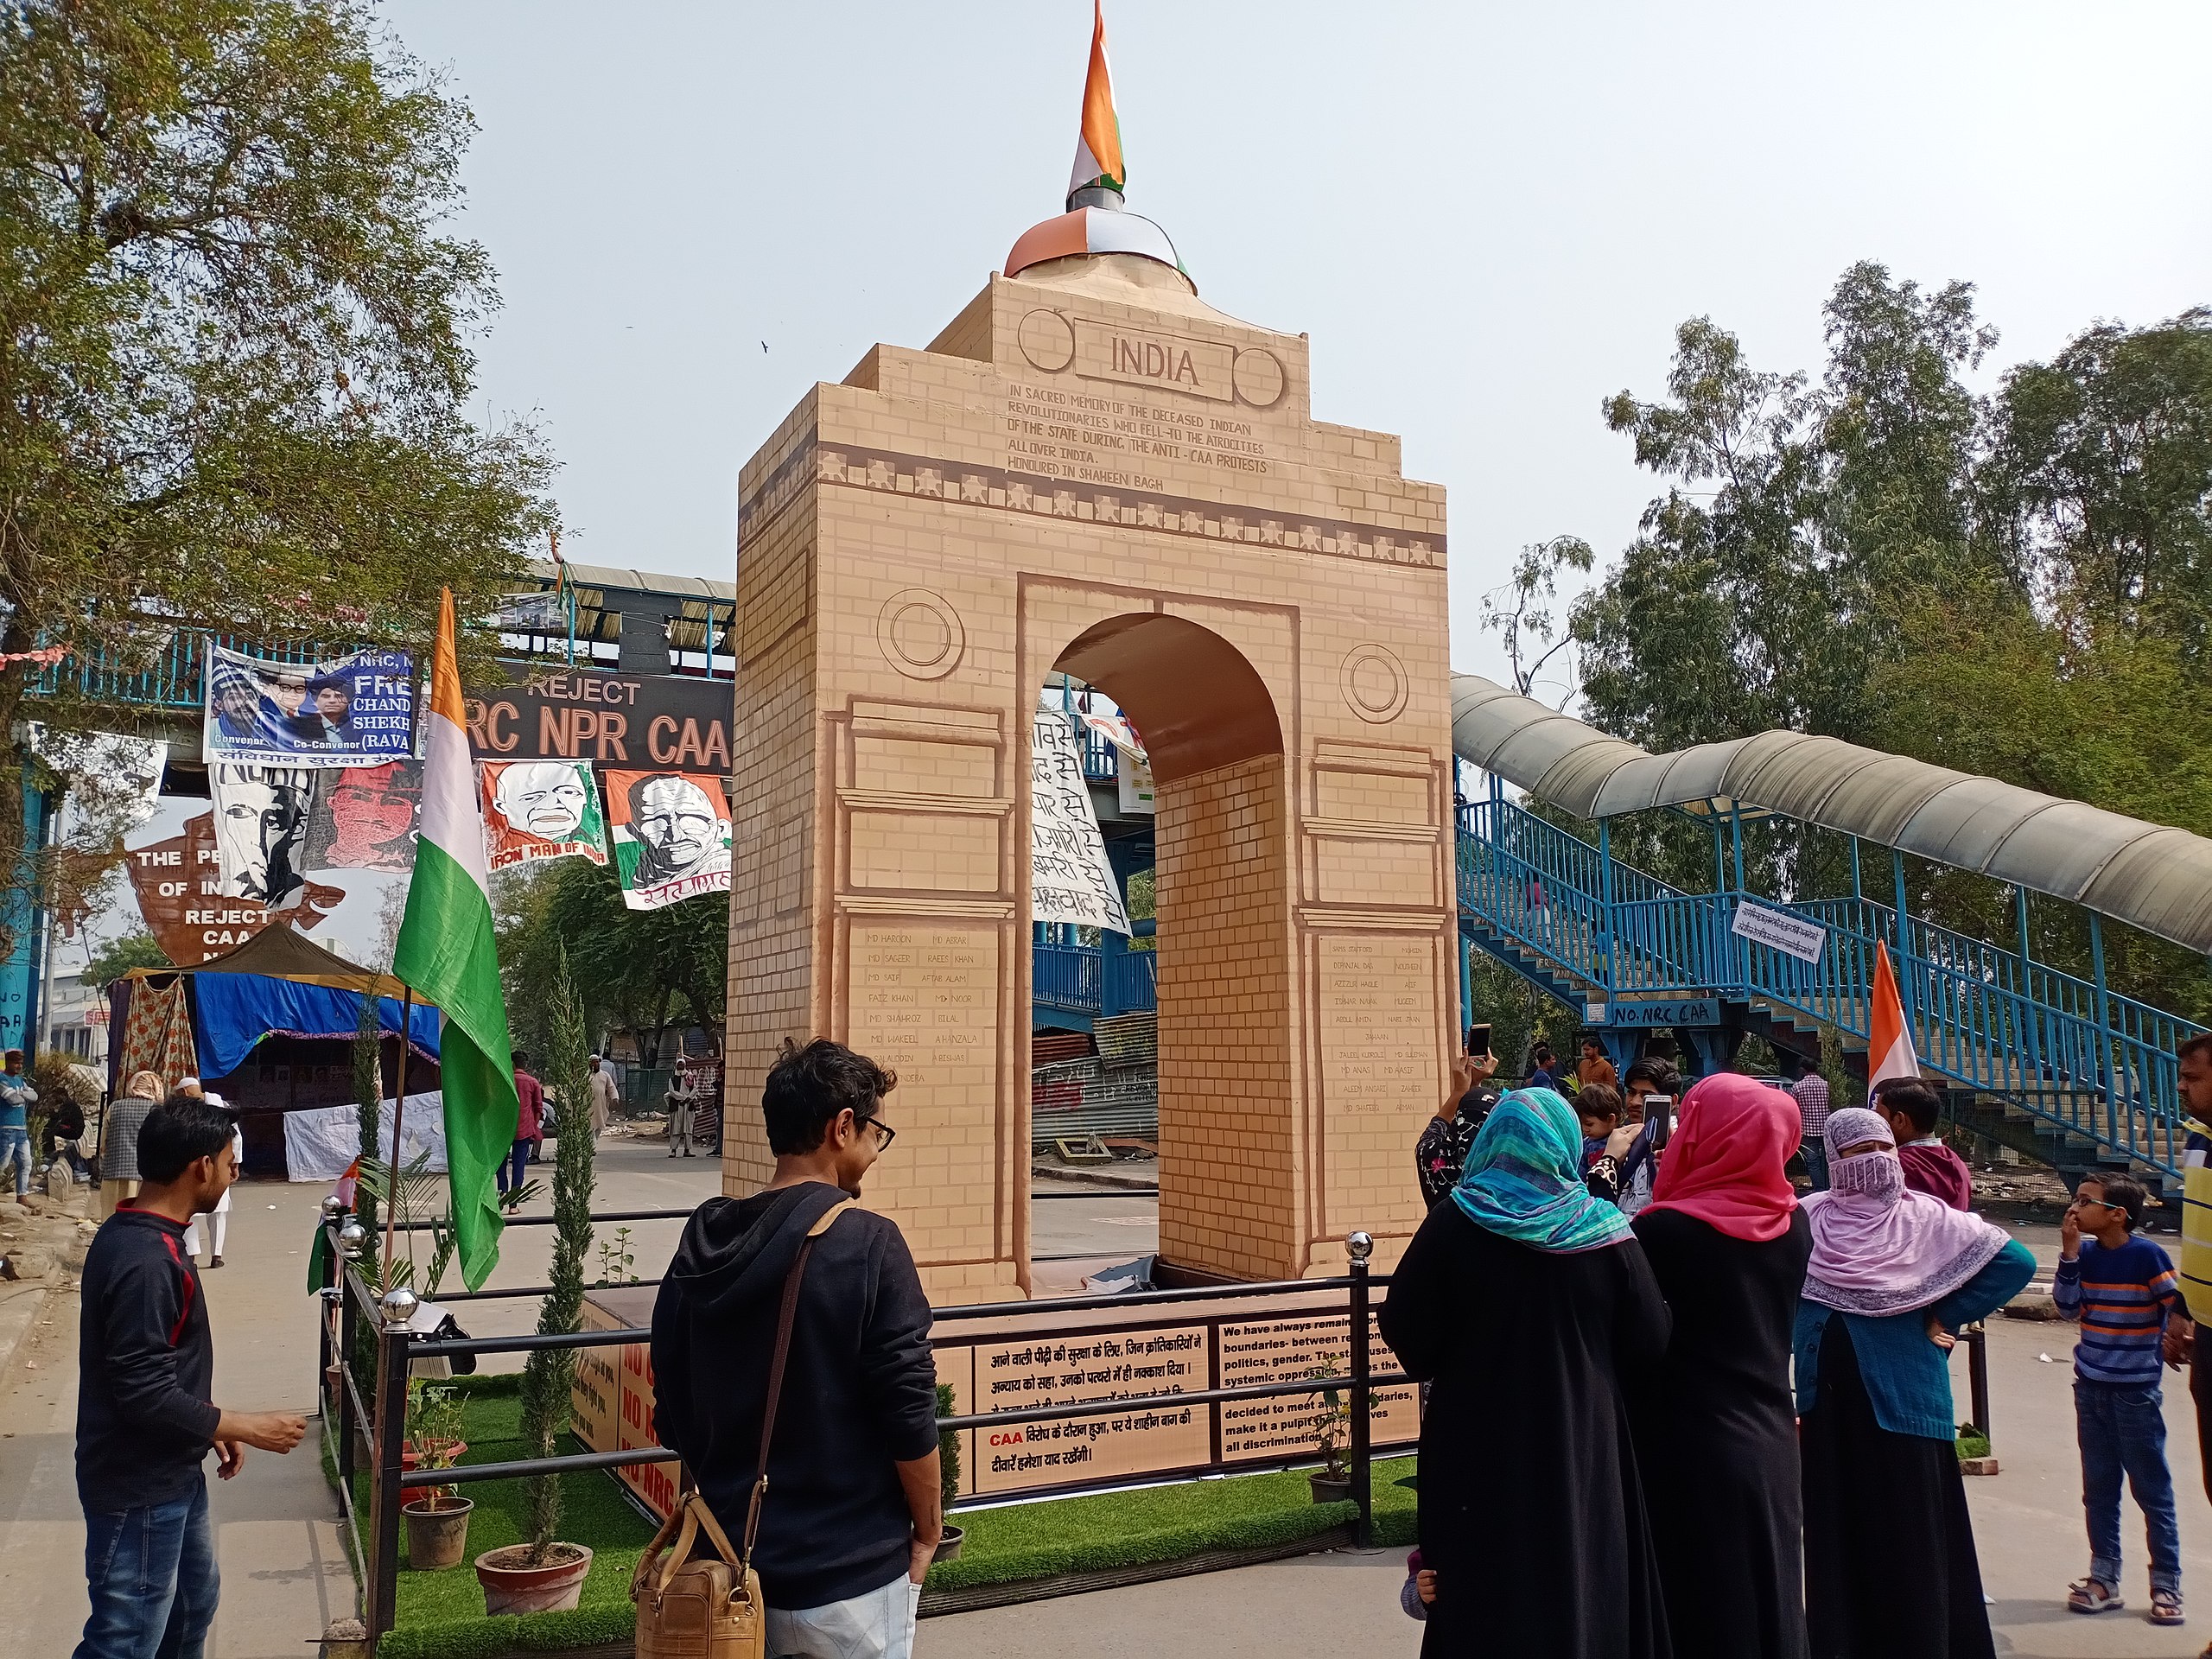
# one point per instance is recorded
(923, 1001)
(1378, 1021)
(1069, 1370)
(1289, 1425)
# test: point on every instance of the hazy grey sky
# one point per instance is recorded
(1488, 216)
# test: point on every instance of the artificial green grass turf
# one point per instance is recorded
(442, 1614)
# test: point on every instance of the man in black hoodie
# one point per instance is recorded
(145, 1360)
(852, 1514)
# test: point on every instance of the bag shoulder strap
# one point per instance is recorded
(784, 1316)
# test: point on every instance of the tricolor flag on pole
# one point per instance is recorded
(445, 951)
(1098, 148)
(1889, 1045)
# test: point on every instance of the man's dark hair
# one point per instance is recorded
(323, 682)
(808, 1087)
(1544, 1055)
(2200, 1045)
(1597, 1100)
(12, 1054)
(1916, 1099)
(522, 1059)
(1656, 1076)
(177, 1134)
(2125, 1192)
(1591, 1042)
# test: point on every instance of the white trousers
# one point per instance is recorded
(878, 1626)
(192, 1240)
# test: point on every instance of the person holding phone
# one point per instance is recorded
(1624, 1171)
(1442, 1152)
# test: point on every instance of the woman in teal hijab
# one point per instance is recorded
(1528, 1305)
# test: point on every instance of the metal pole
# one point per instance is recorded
(1359, 1247)
(1906, 978)
(1858, 891)
(1605, 897)
(385, 1497)
(349, 1340)
(399, 1106)
(1978, 1377)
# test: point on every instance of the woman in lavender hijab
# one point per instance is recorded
(1890, 1563)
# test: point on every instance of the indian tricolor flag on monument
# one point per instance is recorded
(1098, 148)
(445, 951)
(1889, 1042)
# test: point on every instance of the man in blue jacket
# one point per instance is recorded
(852, 1515)
(145, 1362)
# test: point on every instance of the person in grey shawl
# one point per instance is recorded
(119, 1127)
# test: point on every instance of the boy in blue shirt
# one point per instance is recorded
(2122, 1288)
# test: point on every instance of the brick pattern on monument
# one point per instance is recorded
(976, 485)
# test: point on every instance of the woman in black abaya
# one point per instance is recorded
(1529, 1303)
(1716, 1436)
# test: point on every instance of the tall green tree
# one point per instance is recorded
(235, 353)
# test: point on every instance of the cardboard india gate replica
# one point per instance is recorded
(1092, 469)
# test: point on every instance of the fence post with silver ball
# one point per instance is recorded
(1358, 1246)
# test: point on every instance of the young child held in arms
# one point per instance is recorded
(1598, 1106)
(2123, 1290)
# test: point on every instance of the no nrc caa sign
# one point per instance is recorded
(620, 720)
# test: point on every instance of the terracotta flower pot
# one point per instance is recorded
(436, 1538)
(948, 1548)
(511, 1586)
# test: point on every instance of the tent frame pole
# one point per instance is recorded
(398, 1105)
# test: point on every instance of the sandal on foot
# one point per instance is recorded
(2165, 1607)
(2092, 1596)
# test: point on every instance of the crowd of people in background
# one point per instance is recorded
(1730, 1397)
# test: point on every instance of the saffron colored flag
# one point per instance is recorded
(445, 951)
(1098, 147)
(1889, 1045)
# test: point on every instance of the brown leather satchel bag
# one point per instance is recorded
(709, 1607)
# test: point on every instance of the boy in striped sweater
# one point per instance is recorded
(2122, 1288)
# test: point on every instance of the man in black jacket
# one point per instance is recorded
(852, 1514)
(145, 1359)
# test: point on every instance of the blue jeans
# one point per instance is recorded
(1816, 1164)
(151, 1572)
(511, 1173)
(16, 1149)
(2122, 1430)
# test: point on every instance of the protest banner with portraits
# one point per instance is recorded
(344, 711)
(540, 808)
(671, 836)
(182, 896)
(363, 818)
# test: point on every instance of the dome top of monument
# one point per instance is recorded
(1095, 230)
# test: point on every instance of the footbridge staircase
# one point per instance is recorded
(2050, 1062)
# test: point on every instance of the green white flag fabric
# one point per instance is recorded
(445, 951)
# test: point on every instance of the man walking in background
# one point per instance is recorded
(604, 1095)
(145, 1362)
(530, 1105)
(1810, 1091)
(852, 1515)
(681, 1096)
(1594, 1067)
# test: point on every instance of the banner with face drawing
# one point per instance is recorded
(671, 835)
(261, 831)
(540, 808)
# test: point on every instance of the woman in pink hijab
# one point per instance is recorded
(1716, 1433)
(1890, 1571)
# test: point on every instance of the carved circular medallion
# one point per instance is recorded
(1375, 684)
(1258, 378)
(1047, 340)
(920, 634)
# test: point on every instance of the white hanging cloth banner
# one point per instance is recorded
(1069, 878)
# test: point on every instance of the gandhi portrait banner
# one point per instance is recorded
(672, 834)
(540, 808)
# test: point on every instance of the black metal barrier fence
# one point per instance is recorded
(348, 1307)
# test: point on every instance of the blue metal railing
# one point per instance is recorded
(1082, 979)
(1101, 764)
(2068, 1050)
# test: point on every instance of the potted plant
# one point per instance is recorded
(948, 1464)
(437, 1519)
(547, 1575)
(1332, 1482)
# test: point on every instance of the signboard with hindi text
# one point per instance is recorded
(1070, 880)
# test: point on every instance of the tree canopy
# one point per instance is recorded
(2018, 583)
(117, 957)
(235, 340)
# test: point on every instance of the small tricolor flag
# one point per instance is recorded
(1889, 1042)
(445, 951)
(1098, 148)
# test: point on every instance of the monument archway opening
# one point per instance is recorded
(1214, 742)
